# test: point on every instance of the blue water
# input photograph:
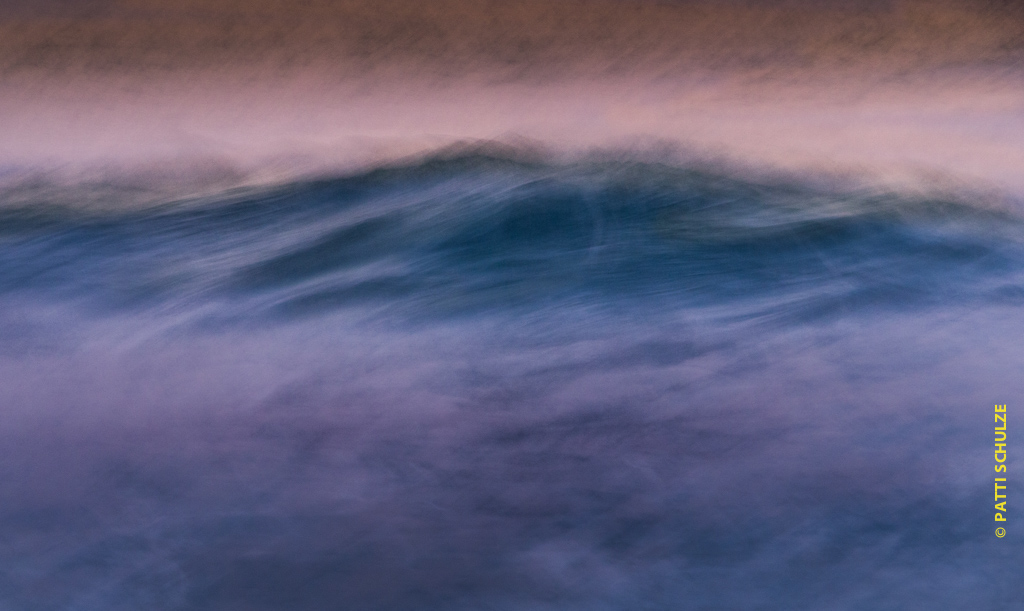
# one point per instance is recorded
(486, 381)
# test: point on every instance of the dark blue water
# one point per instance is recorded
(496, 382)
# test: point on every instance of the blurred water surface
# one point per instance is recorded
(486, 381)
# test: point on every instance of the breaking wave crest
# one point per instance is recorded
(473, 232)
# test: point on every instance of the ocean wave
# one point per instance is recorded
(484, 381)
(478, 231)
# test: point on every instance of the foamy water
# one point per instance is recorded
(650, 306)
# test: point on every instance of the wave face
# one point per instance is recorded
(492, 381)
